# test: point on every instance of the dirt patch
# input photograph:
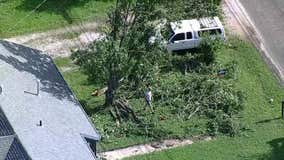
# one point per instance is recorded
(68, 69)
(232, 25)
(60, 42)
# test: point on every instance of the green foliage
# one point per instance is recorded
(125, 51)
(207, 51)
(200, 90)
(124, 57)
(223, 123)
(205, 93)
(188, 9)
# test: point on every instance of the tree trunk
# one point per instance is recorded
(109, 97)
(113, 84)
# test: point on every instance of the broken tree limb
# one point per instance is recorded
(122, 110)
(100, 92)
(193, 113)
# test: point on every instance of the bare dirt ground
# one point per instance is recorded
(60, 42)
(231, 23)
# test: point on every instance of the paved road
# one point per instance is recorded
(268, 17)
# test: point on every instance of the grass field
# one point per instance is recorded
(263, 138)
(16, 17)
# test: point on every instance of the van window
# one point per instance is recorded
(215, 31)
(178, 37)
(210, 32)
(189, 35)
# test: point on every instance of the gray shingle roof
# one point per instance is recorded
(32, 91)
(5, 144)
(16, 151)
(5, 127)
(10, 147)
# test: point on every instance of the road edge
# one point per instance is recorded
(254, 36)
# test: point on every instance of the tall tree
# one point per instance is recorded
(124, 55)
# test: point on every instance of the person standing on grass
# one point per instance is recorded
(148, 98)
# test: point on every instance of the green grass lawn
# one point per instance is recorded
(16, 19)
(264, 137)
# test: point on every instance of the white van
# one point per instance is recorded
(187, 34)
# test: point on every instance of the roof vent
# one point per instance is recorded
(1, 90)
(40, 123)
(33, 90)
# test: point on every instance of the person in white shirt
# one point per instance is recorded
(148, 98)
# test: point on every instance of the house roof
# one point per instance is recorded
(34, 91)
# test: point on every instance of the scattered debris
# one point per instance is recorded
(100, 92)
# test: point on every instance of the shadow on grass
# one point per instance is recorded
(277, 152)
(269, 120)
(277, 149)
(92, 110)
(190, 60)
(60, 7)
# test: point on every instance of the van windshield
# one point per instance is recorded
(167, 31)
